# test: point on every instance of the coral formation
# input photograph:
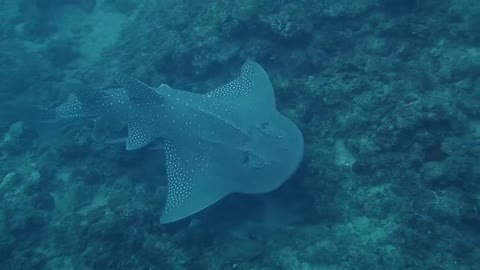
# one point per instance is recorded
(386, 93)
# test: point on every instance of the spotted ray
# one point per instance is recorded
(231, 139)
(108, 108)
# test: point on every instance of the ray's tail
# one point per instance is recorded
(18, 112)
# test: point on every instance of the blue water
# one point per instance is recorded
(385, 92)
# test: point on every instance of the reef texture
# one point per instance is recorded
(386, 93)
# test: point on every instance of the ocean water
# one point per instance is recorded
(385, 92)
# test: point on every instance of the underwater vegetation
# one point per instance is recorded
(385, 92)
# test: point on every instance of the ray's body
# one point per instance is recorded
(231, 139)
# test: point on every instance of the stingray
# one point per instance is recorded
(230, 140)
(107, 108)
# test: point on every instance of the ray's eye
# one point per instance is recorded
(267, 129)
(264, 125)
(253, 161)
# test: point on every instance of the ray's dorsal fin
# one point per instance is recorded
(253, 86)
(137, 91)
(141, 127)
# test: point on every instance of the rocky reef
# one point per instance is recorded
(386, 92)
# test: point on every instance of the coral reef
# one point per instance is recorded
(386, 93)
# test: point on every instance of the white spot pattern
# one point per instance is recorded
(180, 181)
(213, 142)
(240, 87)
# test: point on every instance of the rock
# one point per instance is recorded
(432, 171)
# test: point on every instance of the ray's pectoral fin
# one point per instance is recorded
(194, 182)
